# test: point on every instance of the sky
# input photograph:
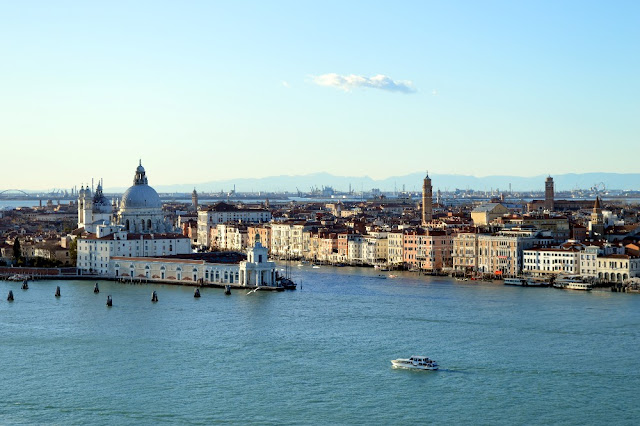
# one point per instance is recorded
(207, 90)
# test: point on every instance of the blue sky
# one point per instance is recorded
(210, 90)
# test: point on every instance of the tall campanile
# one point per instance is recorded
(427, 200)
(194, 199)
(548, 194)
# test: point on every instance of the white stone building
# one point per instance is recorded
(93, 210)
(137, 229)
(226, 213)
(95, 252)
(287, 239)
(395, 253)
(257, 270)
(551, 261)
(141, 208)
(357, 250)
(588, 261)
(617, 268)
(230, 236)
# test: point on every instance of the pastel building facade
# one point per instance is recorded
(226, 213)
(465, 252)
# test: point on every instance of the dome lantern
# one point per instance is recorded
(140, 178)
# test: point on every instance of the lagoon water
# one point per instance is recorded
(319, 355)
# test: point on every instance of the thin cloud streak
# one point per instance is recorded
(350, 82)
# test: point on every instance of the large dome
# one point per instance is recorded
(140, 197)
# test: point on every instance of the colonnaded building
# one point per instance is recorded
(134, 240)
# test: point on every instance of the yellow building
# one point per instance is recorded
(465, 252)
(487, 212)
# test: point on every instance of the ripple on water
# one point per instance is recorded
(318, 355)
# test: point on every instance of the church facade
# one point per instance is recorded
(134, 240)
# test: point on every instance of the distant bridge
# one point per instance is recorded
(2, 193)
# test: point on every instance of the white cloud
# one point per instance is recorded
(286, 84)
(350, 82)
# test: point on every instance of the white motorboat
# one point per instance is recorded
(416, 362)
(526, 282)
(537, 282)
(515, 281)
(572, 283)
(579, 286)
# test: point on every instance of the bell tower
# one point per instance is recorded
(597, 219)
(549, 194)
(427, 200)
(81, 199)
(194, 199)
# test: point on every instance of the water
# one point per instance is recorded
(318, 355)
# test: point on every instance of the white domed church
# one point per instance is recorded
(137, 229)
(141, 208)
(135, 241)
(93, 209)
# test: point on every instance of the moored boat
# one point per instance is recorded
(287, 284)
(572, 283)
(537, 282)
(579, 286)
(515, 281)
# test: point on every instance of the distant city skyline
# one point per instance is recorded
(210, 91)
(589, 182)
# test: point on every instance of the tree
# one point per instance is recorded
(17, 251)
(73, 251)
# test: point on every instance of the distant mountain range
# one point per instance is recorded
(410, 182)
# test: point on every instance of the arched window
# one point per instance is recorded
(142, 224)
(149, 224)
(127, 224)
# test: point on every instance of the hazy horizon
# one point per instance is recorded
(410, 182)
